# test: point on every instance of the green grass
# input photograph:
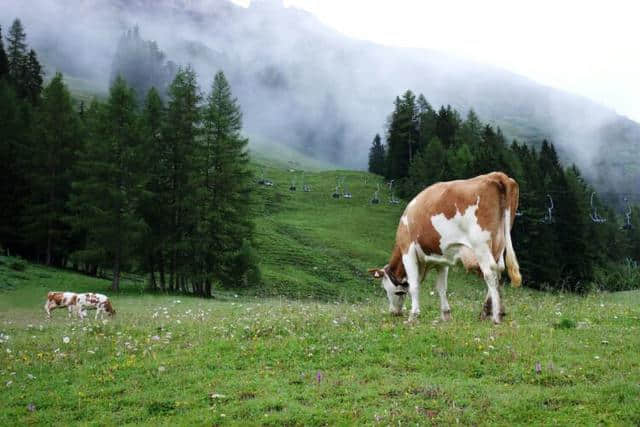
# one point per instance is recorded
(314, 344)
(249, 360)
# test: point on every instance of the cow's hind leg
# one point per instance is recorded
(490, 271)
(487, 309)
(441, 285)
(413, 270)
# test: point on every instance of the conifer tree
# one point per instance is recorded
(31, 85)
(223, 189)
(16, 51)
(182, 128)
(107, 194)
(377, 156)
(154, 206)
(54, 150)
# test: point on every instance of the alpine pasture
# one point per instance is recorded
(315, 344)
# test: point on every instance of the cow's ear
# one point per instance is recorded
(378, 273)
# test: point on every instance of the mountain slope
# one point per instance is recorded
(314, 89)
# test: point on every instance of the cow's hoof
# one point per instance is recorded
(446, 315)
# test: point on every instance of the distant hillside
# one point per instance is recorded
(316, 90)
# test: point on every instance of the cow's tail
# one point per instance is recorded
(513, 269)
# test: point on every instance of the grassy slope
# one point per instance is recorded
(276, 361)
(312, 245)
(279, 361)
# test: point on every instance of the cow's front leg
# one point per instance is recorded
(412, 268)
(441, 285)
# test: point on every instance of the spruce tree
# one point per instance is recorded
(107, 194)
(154, 206)
(54, 150)
(16, 51)
(31, 78)
(377, 156)
(223, 190)
(180, 134)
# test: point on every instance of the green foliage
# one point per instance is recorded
(106, 193)
(559, 249)
(377, 156)
(620, 276)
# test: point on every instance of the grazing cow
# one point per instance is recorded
(91, 301)
(60, 300)
(468, 220)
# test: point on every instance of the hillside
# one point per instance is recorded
(325, 94)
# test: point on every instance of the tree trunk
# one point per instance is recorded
(161, 268)
(115, 285)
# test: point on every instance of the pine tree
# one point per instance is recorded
(16, 51)
(428, 167)
(224, 185)
(106, 197)
(31, 86)
(154, 206)
(402, 138)
(4, 61)
(377, 156)
(54, 148)
(183, 123)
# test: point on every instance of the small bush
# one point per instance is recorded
(565, 324)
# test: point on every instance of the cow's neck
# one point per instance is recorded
(396, 267)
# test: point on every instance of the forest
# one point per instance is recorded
(564, 236)
(157, 181)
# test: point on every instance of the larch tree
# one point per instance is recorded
(54, 151)
(107, 196)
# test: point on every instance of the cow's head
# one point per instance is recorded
(396, 289)
(109, 308)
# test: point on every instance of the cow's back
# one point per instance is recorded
(448, 198)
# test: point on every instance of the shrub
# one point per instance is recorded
(622, 276)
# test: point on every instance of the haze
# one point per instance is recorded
(584, 47)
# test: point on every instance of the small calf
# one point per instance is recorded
(91, 301)
(60, 300)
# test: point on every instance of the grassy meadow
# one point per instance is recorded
(314, 344)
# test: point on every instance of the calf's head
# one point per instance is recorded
(396, 289)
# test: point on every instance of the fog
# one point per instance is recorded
(303, 84)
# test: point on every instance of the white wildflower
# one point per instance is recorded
(9, 383)
(66, 340)
(161, 369)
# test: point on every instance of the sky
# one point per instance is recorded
(587, 48)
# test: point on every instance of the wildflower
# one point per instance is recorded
(538, 368)
(161, 369)
(31, 377)
(9, 383)
(31, 407)
(66, 340)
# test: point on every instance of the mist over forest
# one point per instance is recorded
(304, 84)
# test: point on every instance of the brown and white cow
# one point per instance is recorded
(468, 220)
(92, 301)
(60, 300)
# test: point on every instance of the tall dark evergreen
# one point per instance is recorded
(154, 206)
(16, 51)
(53, 154)
(32, 79)
(402, 137)
(223, 185)
(180, 135)
(377, 156)
(106, 196)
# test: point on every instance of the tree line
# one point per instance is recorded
(162, 186)
(571, 245)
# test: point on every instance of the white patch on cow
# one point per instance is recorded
(460, 230)
(405, 221)
(411, 203)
